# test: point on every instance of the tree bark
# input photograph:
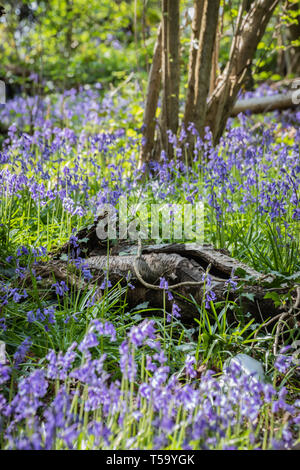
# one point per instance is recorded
(251, 23)
(177, 263)
(293, 34)
(215, 62)
(245, 43)
(204, 61)
(190, 97)
(170, 68)
(153, 90)
(265, 104)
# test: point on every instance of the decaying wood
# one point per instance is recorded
(265, 104)
(182, 265)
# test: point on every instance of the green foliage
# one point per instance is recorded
(60, 44)
(68, 43)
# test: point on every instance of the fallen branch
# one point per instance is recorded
(184, 266)
(265, 104)
(154, 287)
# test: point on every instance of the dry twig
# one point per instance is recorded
(282, 317)
(153, 286)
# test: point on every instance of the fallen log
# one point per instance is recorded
(266, 104)
(183, 266)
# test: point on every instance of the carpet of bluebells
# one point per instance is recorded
(81, 371)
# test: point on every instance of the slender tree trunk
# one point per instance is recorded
(245, 43)
(69, 32)
(204, 61)
(190, 97)
(170, 68)
(249, 80)
(288, 58)
(153, 90)
(293, 34)
(215, 62)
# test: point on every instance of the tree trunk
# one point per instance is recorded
(245, 43)
(215, 62)
(153, 91)
(190, 97)
(249, 80)
(204, 61)
(170, 68)
(252, 21)
(293, 34)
